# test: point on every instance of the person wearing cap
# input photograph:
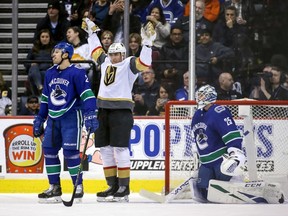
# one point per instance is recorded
(55, 20)
(31, 106)
(211, 59)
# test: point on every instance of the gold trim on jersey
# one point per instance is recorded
(96, 53)
(140, 65)
(115, 99)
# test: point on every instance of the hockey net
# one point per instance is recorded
(266, 146)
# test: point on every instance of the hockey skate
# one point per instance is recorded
(79, 193)
(122, 194)
(89, 26)
(51, 195)
(107, 195)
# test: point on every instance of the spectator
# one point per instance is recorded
(139, 8)
(182, 93)
(162, 27)
(175, 53)
(200, 23)
(41, 50)
(146, 94)
(135, 44)
(164, 95)
(31, 106)
(211, 59)
(73, 10)
(273, 91)
(172, 9)
(107, 39)
(4, 87)
(77, 37)
(212, 10)
(114, 21)
(5, 105)
(55, 21)
(100, 10)
(225, 89)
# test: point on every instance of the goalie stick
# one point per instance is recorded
(70, 203)
(169, 197)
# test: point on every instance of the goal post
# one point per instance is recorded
(263, 125)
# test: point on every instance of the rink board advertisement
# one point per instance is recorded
(21, 155)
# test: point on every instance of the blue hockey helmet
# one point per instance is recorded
(66, 48)
(205, 95)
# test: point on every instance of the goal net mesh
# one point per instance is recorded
(270, 122)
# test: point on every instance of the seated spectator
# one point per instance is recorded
(100, 10)
(55, 20)
(5, 105)
(171, 9)
(212, 10)
(182, 93)
(107, 39)
(77, 37)
(145, 95)
(162, 27)
(165, 94)
(211, 59)
(4, 87)
(41, 50)
(31, 106)
(225, 88)
(135, 46)
(175, 54)
(200, 23)
(114, 21)
(274, 90)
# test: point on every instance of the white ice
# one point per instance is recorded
(27, 205)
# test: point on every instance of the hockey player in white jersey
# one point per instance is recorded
(115, 104)
(219, 144)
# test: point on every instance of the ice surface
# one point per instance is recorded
(27, 205)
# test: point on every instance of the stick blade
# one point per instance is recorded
(67, 204)
(152, 196)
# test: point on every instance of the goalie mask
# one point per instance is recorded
(117, 48)
(205, 95)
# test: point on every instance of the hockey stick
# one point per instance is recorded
(70, 203)
(169, 197)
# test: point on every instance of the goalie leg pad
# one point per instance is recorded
(251, 192)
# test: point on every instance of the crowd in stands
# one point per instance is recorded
(241, 46)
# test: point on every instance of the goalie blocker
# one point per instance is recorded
(251, 192)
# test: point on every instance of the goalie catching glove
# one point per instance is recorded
(233, 163)
(91, 121)
(148, 34)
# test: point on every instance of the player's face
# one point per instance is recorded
(115, 57)
(56, 56)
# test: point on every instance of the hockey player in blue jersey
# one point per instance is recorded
(115, 103)
(67, 102)
(216, 135)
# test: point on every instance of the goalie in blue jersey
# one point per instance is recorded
(219, 145)
(66, 95)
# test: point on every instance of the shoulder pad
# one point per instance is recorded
(219, 109)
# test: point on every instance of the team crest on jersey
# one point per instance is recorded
(201, 139)
(110, 75)
(57, 96)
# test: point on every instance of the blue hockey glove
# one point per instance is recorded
(91, 121)
(38, 126)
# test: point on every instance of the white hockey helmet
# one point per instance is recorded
(205, 95)
(117, 48)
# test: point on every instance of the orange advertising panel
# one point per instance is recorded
(23, 151)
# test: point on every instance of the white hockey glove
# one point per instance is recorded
(233, 163)
(148, 34)
(89, 26)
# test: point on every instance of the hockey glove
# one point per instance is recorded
(89, 26)
(233, 163)
(148, 34)
(38, 126)
(91, 121)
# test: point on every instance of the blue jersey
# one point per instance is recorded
(215, 131)
(66, 90)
